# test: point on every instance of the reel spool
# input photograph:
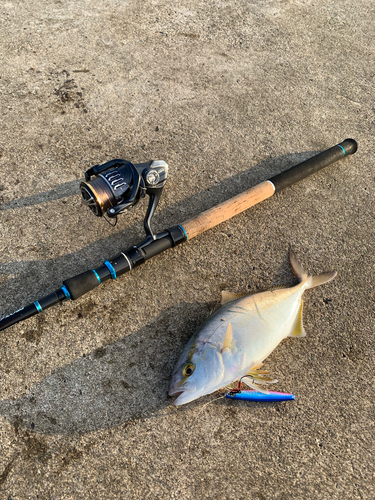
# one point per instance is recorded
(110, 189)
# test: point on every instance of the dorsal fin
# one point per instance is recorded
(271, 288)
(228, 341)
(227, 297)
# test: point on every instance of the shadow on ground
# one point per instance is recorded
(61, 191)
(25, 281)
(112, 385)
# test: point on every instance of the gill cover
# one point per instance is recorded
(205, 378)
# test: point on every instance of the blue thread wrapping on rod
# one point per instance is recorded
(66, 293)
(111, 269)
(38, 306)
(97, 275)
(341, 148)
(186, 237)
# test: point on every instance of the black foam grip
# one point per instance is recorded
(81, 284)
(157, 246)
(312, 165)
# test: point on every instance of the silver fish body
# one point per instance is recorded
(235, 340)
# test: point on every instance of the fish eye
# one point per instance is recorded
(188, 369)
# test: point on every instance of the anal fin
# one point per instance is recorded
(298, 329)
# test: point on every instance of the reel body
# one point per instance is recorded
(113, 187)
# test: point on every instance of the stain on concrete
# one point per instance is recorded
(34, 335)
(8, 469)
(69, 93)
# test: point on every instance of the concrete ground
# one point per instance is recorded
(229, 93)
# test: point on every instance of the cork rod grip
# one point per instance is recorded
(226, 210)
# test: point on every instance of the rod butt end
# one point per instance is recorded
(350, 146)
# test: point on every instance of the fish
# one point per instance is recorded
(235, 340)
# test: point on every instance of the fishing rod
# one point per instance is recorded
(112, 188)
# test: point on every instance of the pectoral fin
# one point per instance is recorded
(298, 330)
(228, 341)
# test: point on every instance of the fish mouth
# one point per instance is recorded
(184, 397)
(183, 394)
(175, 392)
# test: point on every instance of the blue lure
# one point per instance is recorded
(259, 396)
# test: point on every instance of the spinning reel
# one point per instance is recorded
(110, 189)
